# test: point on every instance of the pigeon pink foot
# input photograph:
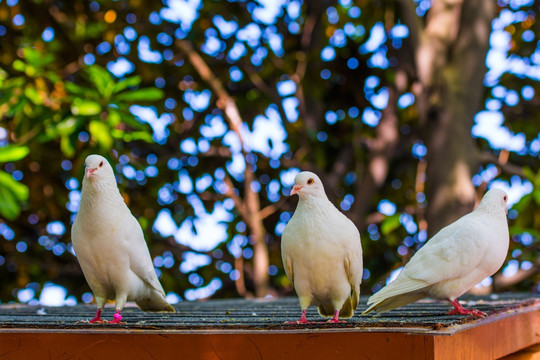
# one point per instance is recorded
(460, 310)
(117, 318)
(97, 318)
(302, 320)
(335, 319)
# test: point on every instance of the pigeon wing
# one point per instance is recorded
(286, 258)
(139, 256)
(354, 265)
(452, 253)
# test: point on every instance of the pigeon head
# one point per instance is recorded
(494, 200)
(97, 167)
(308, 184)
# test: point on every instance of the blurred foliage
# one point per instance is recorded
(127, 79)
(12, 192)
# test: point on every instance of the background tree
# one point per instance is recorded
(209, 109)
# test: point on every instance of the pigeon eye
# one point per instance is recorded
(310, 181)
(101, 164)
(505, 198)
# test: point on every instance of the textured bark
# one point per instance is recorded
(450, 70)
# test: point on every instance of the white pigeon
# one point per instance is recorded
(321, 253)
(110, 246)
(457, 258)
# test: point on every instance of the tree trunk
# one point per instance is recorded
(450, 69)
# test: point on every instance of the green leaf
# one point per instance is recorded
(31, 71)
(85, 107)
(522, 204)
(37, 58)
(52, 76)
(529, 174)
(129, 82)
(78, 91)
(15, 82)
(66, 127)
(129, 119)
(141, 135)
(31, 93)
(19, 190)
(102, 79)
(146, 94)
(17, 110)
(19, 65)
(143, 222)
(67, 146)
(536, 196)
(132, 135)
(13, 153)
(390, 224)
(9, 208)
(114, 118)
(75, 89)
(101, 133)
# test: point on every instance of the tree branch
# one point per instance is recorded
(501, 162)
(224, 102)
(270, 209)
(249, 206)
(271, 92)
(382, 152)
(310, 109)
(231, 193)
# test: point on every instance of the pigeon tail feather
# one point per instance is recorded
(156, 303)
(400, 286)
(394, 302)
(347, 310)
(326, 310)
(355, 298)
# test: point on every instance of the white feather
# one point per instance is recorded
(458, 257)
(110, 246)
(321, 252)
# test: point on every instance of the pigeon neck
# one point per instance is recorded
(312, 203)
(103, 191)
(491, 209)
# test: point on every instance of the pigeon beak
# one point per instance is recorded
(90, 171)
(296, 189)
